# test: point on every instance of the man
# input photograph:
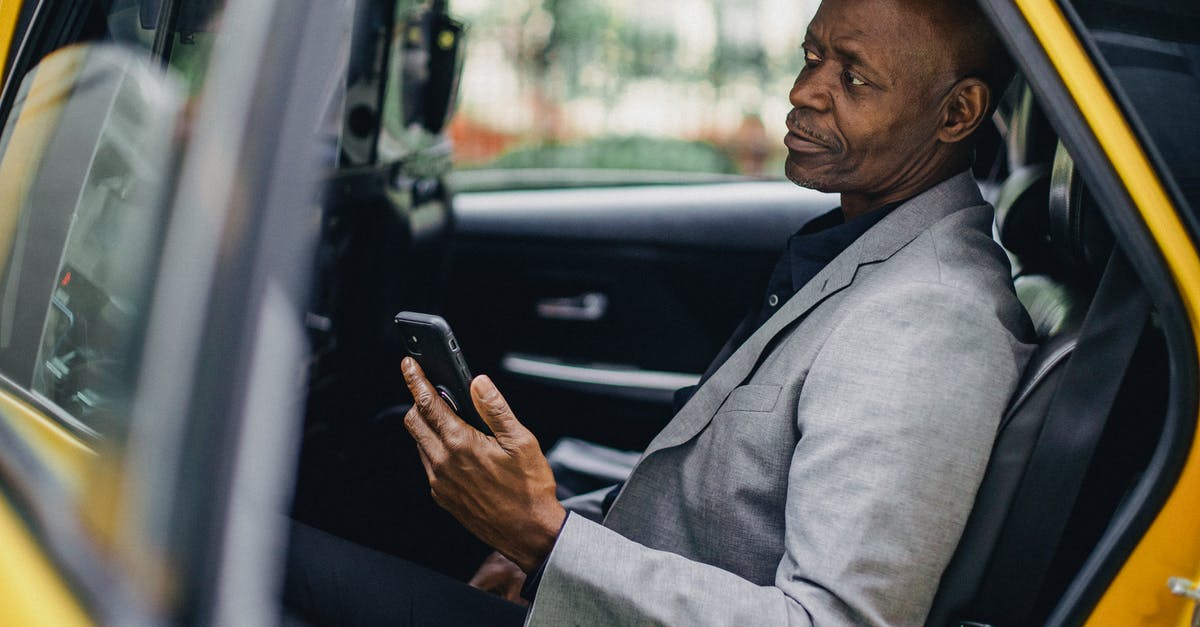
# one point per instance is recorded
(823, 472)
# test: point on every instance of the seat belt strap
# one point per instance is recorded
(1074, 422)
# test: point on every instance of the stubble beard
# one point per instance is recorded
(806, 179)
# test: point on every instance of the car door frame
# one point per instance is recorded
(1068, 76)
(225, 344)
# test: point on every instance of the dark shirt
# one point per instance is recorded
(807, 252)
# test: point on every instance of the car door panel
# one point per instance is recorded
(591, 306)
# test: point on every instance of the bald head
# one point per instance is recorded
(968, 41)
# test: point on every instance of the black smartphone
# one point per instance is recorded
(429, 340)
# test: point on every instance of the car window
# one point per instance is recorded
(86, 161)
(1152, 50)
(668, 87)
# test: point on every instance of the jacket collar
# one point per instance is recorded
(915, 216)
(882, 241)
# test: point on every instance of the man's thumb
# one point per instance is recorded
(493, 408)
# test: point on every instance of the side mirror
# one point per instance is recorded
(431, 64)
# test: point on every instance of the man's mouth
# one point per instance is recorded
(802, 143)
(803, 139)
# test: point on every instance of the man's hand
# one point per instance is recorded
(501, 577)
(500, 488)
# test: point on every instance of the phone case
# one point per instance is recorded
(428, 339)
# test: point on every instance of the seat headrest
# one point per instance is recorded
(1022, 221)
(1078, 233)
(1031, 140)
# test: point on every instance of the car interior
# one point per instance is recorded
(548, 290)
(590, 305)
(557, 293)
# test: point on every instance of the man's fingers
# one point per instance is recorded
(429, 442)
(426, 400)
(495, 411)
(425, 462)
(500, 576)
(424, 395)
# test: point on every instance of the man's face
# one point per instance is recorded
(866, 105)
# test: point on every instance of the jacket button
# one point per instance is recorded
(773, 300)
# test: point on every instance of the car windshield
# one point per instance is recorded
(566, 93)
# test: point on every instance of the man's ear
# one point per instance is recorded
(964, 110)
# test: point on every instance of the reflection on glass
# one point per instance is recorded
(77, 278)
(87, 156)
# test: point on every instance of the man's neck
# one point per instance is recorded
(855, 204)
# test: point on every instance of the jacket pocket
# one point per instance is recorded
(755, 398)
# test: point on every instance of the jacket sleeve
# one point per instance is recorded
(590, 505)
(896, 416)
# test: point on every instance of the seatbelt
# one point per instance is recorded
(1072, 428)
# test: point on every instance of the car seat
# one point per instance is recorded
(1059, 259)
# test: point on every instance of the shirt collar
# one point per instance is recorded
(825, 237)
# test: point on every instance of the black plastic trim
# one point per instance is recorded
(374, 21)
(164, 31)
(23, 21)
(1138, 510)
(1132, 117)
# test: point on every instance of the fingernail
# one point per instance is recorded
(486, 384)
(406, 365)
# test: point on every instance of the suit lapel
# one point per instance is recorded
(699, 410)
(892, 233)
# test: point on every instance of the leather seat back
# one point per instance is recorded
(1060, 254)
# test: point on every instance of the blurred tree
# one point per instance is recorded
(738, 51)
(623, 153)
(567, 49)
(633, 69)
(647, 50)
(558, 39)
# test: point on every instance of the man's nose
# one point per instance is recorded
(810, 90)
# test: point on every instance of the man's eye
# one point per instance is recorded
(811, 58)
(851, 79)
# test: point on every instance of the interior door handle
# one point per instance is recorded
(587, 307)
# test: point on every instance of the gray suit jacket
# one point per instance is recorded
(824, 473)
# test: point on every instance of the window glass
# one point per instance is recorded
(672, 86)
(1152, 48)
(86, 160)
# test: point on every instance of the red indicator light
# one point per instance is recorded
(66, 279)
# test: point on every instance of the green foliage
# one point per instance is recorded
(627, 153)
(645, 51)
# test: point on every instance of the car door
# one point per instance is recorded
(591, 306)
(160, 176)
(1105, 72)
